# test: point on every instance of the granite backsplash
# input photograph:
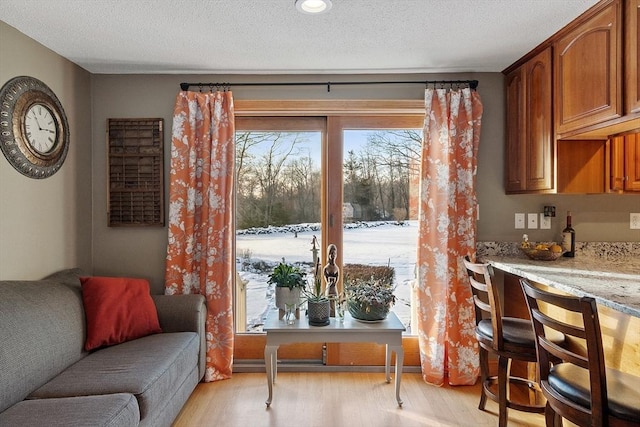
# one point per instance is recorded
(586, 249)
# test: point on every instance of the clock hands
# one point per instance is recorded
(37, 122)
(35, 117)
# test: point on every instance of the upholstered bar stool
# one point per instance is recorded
(575, 382)
(509, 339)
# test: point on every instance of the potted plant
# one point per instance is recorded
(369, 300)
(289, 281)
(318, 305)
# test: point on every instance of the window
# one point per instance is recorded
(380, 182)
(278, 206)
(346, 179)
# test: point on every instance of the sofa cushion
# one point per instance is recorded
(117, 309)
(41, 333)
(112, 410)
(151, 368)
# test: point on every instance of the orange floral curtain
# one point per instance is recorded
(446, 233)
(199, 251)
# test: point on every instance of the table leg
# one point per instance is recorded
(399, 361)
(270, 363)
(387, 364)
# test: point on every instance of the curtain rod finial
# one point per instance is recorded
(184, 86)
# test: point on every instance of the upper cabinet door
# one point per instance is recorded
(529, 162)
(617, 163)
(632, 162)
(625, 163)
(632, 52)
(588, 71)
(539, 136)
(515, 155)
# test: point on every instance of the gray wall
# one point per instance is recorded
(60, 222)
(45, 224)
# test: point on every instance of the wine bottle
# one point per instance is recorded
(569, 238)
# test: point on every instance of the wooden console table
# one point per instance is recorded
(387, 332)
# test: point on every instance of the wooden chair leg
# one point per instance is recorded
(484, 375)
(503, 379)
(551, 418)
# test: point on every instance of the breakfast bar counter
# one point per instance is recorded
(614, 283)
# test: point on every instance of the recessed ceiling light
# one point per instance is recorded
(313, 7)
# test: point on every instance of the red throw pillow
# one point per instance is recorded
(117, 309)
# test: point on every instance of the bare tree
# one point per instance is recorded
(398, 153)
(278, 182)
(303, 181)
(261, 159)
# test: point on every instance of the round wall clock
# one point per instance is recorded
(34, 132)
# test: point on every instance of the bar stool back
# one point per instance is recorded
(579, 388)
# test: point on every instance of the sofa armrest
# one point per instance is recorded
(184, 313)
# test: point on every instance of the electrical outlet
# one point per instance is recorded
(549, 211)
(634, 221)
(519, 221)
(545, 222)
(532, 220)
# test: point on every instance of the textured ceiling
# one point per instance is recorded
(271, 36)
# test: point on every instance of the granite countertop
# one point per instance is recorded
(613, 281)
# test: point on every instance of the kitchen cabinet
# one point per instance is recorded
(625, 162)
(567, 97)
(588, 69)
(632, 55)
(529, 160)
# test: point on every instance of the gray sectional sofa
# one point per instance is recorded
(47, 379)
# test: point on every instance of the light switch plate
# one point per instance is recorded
(532, 220)
(519, 221)
(545, 222)
(634, 221)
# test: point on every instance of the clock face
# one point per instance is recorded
(40, 128)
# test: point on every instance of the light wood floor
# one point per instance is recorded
(336, 399)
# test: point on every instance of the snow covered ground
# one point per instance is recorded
(371, 243)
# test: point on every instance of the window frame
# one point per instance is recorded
(338, 115)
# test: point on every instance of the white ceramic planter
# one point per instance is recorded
(287, 296)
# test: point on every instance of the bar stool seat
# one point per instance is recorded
(515, 331)
(623, 390)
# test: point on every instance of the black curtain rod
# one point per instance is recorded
(473, 84)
